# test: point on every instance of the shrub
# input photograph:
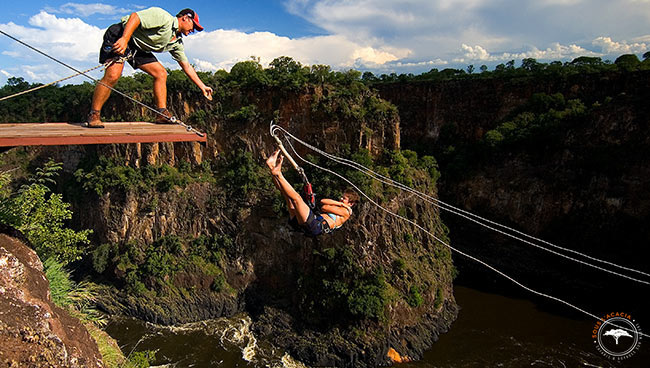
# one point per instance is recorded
(439, 298)
(242, 175)
(142, 359)
(102, 255)
(218, 283)
(414, 298)
(60, 282)
(399, 265)
(41, 216)
(367, 297)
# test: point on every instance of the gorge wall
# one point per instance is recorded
(184, 232)
(583, 183)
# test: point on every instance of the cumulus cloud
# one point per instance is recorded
(555, 52)
(86, 10)
(608, 46)
(65, 38)
(437, 29)
(223, 48)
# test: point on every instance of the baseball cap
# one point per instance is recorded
(192, 14)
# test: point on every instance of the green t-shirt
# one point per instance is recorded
(156, 33)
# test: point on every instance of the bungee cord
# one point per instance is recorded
(274, 131)
(173, 119)
(467, 215)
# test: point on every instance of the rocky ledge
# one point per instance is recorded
(33, 331)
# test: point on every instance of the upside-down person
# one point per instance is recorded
(140, 35)
(333, 214)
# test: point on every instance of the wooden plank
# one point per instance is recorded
(45, 134)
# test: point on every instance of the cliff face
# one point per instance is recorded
(582, 185)
(341, 300)
(466, 109)
(33, 331)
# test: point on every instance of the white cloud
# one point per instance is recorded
(65, 38)
(223, 48)
(86, 10)
(608, 46)
(555, 52)
(436, 29)
(5, 73)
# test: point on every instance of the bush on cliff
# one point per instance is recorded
(105, 174)
(340, 291)
(41, 215)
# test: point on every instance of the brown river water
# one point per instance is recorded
(491, 331)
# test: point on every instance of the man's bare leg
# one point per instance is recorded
(101, 94)
(159, 74)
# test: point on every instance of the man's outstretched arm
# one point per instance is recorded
(191, 73)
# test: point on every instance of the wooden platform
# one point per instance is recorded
(50, 134)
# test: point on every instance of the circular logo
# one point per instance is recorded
(617, 336)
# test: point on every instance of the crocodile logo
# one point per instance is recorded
(617, 336)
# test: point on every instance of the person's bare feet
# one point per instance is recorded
(274, 162)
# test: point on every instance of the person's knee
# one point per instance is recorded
(162, 77)
(159, 75)
(111, 77)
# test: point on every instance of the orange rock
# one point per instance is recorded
(395, 357)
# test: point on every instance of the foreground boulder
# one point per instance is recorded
(33, 331)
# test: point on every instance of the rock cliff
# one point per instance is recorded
(583, 183)
(184, 232)
(33, 331)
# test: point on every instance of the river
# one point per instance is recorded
(491, 331)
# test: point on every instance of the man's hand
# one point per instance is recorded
(207, 92)
(120, 45)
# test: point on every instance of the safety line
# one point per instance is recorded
(47, 85)
(460, 252)
(463, 213)
(173, 119)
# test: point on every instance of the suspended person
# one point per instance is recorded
(140, 34)
(333, 214)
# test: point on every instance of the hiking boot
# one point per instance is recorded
(93, 120)
(164, 116)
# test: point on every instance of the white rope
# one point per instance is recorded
(466, 214)
(452, 248)
(47, 85)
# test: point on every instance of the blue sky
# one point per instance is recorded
(381, 36)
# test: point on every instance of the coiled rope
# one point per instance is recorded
(173, 119)
(274, 129)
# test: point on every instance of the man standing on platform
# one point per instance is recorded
(137, 36)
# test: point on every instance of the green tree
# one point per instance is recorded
(531, 65)
(249, 73)
(369, 77)
(628, 62)
(288, 73)
(320, 73)
(41, 215)
(587, 60)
